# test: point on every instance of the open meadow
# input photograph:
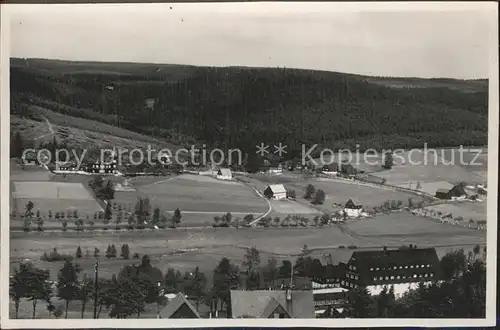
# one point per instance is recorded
(467, 210)
(415, 165)
(188, 248)
(203, 195)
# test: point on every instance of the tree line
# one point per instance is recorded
(461, 293)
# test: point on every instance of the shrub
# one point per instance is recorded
(352, 247)
(55, 256)
(341, 246)
(319, 197)
(136, 256)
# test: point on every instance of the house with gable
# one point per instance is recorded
(267, 304)
(275, 191)
(353, 209)
(179, 308)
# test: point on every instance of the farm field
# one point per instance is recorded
(200, 195)
(286, 207)
(413, 166)
(475, 211)
(53, 196)
(428, 187)
(392, 230)
(474, 161)
(405, 228)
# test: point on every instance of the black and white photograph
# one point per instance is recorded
(238, 164)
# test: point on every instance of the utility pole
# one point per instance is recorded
(96, 288)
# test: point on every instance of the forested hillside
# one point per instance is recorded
(242, 107)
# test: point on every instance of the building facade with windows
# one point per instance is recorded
(404, 269)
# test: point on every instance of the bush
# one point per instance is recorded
(352, 247)
(319, 197)
(341, 246)
(136, 256)
(55, 256)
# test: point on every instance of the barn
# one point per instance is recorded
(275, 191)
(457, 192)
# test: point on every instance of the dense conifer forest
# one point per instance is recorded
(237, 107)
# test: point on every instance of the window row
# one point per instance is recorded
(398, 277)
(354, 277)
(400, 267)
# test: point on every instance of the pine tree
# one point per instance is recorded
(108, 252)
(113, 251)
(78, 252)
(125, 253)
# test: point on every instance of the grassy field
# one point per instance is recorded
(392, 230)
(337, 192)
(203, 194)
(80, 131)
(54, 197)
(466, 210)
(405, 228)
(413, 166)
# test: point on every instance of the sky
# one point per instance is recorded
(447, 41)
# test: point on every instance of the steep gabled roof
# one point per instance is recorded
(175, 304)
(225, 172)
(352, 203)
(253, 304)
(277, 188)
(272, 306)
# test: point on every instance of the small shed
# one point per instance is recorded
(224, 174)
(275, 191)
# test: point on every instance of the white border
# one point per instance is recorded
(343, 323)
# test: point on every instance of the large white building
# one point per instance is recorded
(402, 269)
